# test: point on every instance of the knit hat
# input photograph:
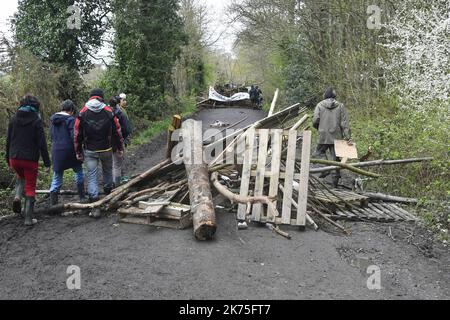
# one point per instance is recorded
(97, 93)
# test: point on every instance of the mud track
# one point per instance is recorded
(137, 262)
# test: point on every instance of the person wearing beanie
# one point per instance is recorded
(97, 133)
(63, 152)
(331, 119)
(25, 143)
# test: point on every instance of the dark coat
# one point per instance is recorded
(62, 135)
(97, 129)
(26, 138)
(125, 125)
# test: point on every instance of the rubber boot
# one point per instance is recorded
(53, 198)
(17, 203)
(81, 193)
(335, 182)
(29, 211)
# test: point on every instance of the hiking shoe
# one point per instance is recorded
(95, 213)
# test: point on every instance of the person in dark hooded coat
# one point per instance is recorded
(25, 142)
(63, 151)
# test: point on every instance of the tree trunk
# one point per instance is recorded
(202, 206)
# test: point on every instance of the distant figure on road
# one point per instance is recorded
(331, 119)
(253, 96)
(259, 97)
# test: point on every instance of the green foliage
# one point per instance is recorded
(149, 36)
(151, 129)
(41, 27)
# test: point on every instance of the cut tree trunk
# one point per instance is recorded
(200, 195)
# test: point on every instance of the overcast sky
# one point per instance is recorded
(217, 7)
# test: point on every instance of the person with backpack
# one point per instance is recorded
(331, 120)
(117, 104)
(63, 152)
(25, 143)
(97, 133)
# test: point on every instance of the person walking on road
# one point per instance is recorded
(118, 105)
(25, 143)
(331, 119)
(63, 152)
(97, 133)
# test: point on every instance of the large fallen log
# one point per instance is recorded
(372, 164)
(202, 206)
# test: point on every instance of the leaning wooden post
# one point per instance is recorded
(202, 207)
(273, 104)
(176, 124)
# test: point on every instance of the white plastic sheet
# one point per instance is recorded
(214, 95)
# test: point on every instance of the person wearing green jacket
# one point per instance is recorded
(331, 119)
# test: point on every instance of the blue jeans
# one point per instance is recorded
(58, 178)
(92, 160)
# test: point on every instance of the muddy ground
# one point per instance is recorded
(137, 262)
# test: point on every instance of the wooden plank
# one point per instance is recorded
(392, 216)
(380, 206)
(137, 220)
(288, 184)
(408, 216)
(344, 150)
(261, 169)
(277, 144)
(184, 223)
(176, 209)
(304, 179)
(246, 170)
(274, 102)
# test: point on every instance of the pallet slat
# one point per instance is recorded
(304, 179)
(261, 169)
(246, 171)
(277, 144)
(290, 167)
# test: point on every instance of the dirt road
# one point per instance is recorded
(138, 262)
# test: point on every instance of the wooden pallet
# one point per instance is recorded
(376, 211)
(263, 149)
(335, 197)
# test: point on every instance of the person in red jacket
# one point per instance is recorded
(24, 143)
(97, 133)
